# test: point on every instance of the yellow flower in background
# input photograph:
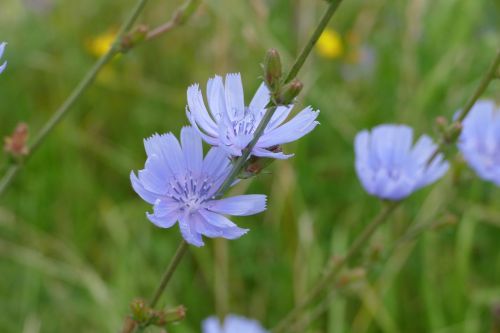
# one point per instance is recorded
(100, 44)
(329, 44)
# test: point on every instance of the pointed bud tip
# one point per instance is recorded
(290, 91)
(272, 70)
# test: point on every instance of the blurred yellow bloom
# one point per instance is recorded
(100, 44)
(329, 44)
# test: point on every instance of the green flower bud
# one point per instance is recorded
(272, 70)
(290, 91)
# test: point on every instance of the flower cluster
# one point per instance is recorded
(183, 186)
(389, 167)
(2, 49)
(232, 324)
(479, 141)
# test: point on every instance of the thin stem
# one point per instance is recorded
(326, 280)
(299, 62)
(240, 162)
(487, 78)
(179, 17)
(172, 266)
(82, 86)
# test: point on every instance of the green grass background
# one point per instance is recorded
(76, 248)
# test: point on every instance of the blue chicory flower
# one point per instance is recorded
(180, 184)
(232, 324)
(389, 167)
(479, 141)
(2, 49)
(231, 125)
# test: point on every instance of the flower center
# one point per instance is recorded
(245, 125)
(190, 192)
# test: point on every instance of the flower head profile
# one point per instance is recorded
(232, 324)
(479, 141)
(180, 184)
(231, 125)
(390, 167)
(4, 64)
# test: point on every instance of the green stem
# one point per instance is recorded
(487, 78)
(240, 161)
(82, 86)
(326, 280)
(294, 70)
(299, 62)
(174, 262)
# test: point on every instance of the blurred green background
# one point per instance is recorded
(76, 247)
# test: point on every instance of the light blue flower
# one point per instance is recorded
(2, 49)
(180, 184)
(232, 324)
(479, 141)
(389, 167)
(231, 125)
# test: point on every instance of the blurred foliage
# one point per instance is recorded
(76, 248)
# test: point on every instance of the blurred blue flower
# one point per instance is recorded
(389, 167)
(479, 141)
(180, 184)
(2, 48)
(231, 125)
(232, 324)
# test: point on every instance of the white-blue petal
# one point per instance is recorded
(240, 205)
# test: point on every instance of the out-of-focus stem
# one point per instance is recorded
(179, 17)
(292, 73)
(172, 266)
(271, 108)
(87, 80)
(299, 62)
(489, 76)
(328, 278)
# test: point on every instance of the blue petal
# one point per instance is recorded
(261, 152)
(279, 116)
(235, 103)
(188, 233)
(229, 229)
(165, 214)
(139, 189)
(303, 123)
(192, 148)
(216, 163)
(211, 325)
(261, 98)
(239, 324)
(169, 150)
(241, 205)
(211, 140)
(2, 48)
(216, 97)
(198, 110)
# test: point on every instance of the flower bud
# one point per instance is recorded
(272, 70)
(139, 310)
(290, 91)
(16, 144)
